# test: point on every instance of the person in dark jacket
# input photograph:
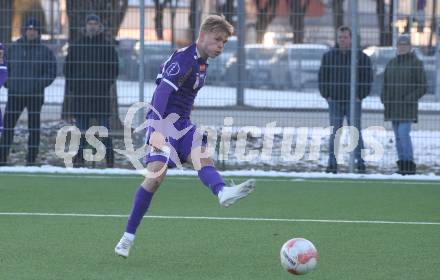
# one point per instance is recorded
(404, 84)
(334, 85)
(91, 69)
(31, 68)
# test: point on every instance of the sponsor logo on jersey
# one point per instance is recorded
(185, 77)
(173, 69)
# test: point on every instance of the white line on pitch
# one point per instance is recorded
(220, 218)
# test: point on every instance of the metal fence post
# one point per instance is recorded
(394, 20)
(141, 57)
(241, 53)
(197, 19)
(353, 72)
(437, 63)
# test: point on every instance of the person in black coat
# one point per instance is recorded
(404, 84)
(334, 85)
(31, 68)
(91, 69)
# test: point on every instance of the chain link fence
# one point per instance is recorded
(268, 100)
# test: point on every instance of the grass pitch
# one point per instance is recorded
(66, 227)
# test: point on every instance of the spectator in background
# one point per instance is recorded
(404, 84)
(334, 85)
(31, 68)
(3, 76)
(91, 69)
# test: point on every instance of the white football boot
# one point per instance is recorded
(123, 247)
(229, 195)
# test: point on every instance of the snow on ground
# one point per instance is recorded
(314, 157)
(426, 143)
(300, 154)
(128, 93)
(294, 176)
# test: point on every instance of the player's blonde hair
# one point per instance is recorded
(216, 23)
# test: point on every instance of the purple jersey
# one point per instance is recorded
(185, 72)
(182, 75)
(3, 75)
(3, 67)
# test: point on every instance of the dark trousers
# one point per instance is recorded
(14, 107)
(83, 123)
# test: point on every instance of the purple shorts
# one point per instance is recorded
(179, 148)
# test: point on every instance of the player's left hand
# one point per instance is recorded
(157, 140)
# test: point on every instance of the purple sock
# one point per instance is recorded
(211, 178)
(140, 206)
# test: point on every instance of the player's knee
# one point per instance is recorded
(200, 158)
(154, 175)
(152, 184)
(206, 162)
(199, 163)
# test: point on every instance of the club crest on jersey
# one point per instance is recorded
(202, 68)
(173, 69)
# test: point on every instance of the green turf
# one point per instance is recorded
(59, 247)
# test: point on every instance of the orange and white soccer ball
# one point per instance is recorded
(299, 256)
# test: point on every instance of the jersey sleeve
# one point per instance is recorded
(160, 98)
(3, 67)
(177, 70)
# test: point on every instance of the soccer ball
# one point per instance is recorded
(299, 256)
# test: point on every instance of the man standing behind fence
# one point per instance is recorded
(91, 69)
(31, 68)
(334, 85)
(404, 84)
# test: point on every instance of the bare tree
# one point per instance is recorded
(266, 11)
(111, 13)
(433, 24)
(15, 12)
(298, 9)
(385, 25)
(31, 9)
(6, 20)
(227, 9)
(338, 14)
(192, 19)
(159, 6)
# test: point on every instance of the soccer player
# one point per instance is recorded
(182, 75)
